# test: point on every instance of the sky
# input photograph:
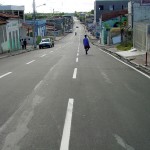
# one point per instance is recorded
(57, 5)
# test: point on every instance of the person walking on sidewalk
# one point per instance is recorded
(21, 42)
(25, 43)
(86, 44)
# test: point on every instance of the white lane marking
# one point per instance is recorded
(75, 73)
(38, 85)
(5, 74)
(30, 62)
(77, 59)
(106, 78)
(51, 51)
(128, 65)
(122, 143)
(77, 54)
(43, 55)
(67, 126)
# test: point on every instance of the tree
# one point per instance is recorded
(92, 11)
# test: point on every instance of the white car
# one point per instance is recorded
(48, 43)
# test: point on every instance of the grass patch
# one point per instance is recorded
(124, 46)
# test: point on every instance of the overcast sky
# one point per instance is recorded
(57, 5)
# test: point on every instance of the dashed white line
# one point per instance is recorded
(30, 62)
(67, 126)
(77, 54)
(5, 74)
(77, 59)
(43, 55)
(75, 73)
(51, 52)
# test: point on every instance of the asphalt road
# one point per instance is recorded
(62, 99)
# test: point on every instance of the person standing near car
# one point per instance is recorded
(86, 44)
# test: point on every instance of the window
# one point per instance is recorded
(111, 7)
(101, 7)
(122, 7)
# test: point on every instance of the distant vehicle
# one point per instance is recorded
(47, 42)
(71, 30)
(77, 27)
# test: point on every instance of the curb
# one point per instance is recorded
(13, 54)
(137, 66)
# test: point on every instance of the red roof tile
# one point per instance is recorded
(113, 14)
(5, 15)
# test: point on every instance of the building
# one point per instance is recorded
(68, 22)
(139, 21)
(112, 20)
(12, 9)
(9, 32)
(140, 10)
(27, 30)
(55, 26)
(103, 6)
(40, 26)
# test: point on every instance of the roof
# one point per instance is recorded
(2, 22)
(26, 26)
(5, 15)
(11, 7)
(113, 14)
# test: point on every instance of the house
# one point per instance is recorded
(89, 19)
(103, 6)
(68, 22)
(55, 26)
(108, 21)
(10, 35)
(12, 9)
(106, 6)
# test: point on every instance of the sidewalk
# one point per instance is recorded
(29, 48)
(8, 54)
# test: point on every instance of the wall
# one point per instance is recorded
(117, 6)
(140, 12)
(13, 35)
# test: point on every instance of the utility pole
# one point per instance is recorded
(34, 34)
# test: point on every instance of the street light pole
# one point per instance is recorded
(34, 36)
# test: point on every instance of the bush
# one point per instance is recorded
(38, 40)
(124, 46)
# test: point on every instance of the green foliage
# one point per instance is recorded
(42, 15)
(124, 46)
(38, 40)
(92, 11)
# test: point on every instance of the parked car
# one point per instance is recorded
(47, 42)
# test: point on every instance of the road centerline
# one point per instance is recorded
(43, 55)
(67, 126)
(5, 74)
(75, 73)
(30, 62)
(77, 60)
